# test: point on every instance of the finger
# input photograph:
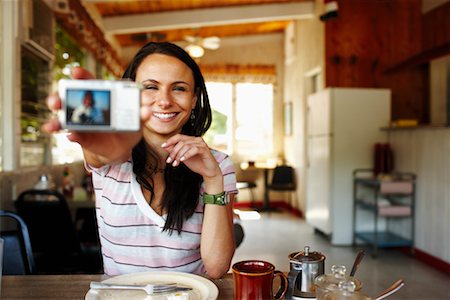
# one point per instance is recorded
(173, 157)
(173, 140)
(80, 138)
(177, 151)
(81, 73)
(53, 102)
(187, 153)
(52, 125)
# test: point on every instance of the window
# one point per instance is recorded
(35, 83)
(242, 118)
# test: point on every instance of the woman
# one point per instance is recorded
(149, 185)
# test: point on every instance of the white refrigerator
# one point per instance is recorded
(343, 124)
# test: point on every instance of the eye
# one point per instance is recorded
(150, 87)
(179, 88)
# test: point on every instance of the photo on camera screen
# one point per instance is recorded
(88, 107)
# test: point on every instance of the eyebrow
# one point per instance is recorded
(175, 82)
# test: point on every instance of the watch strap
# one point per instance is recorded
(217, 199)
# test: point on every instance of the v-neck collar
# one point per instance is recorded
(144, 207)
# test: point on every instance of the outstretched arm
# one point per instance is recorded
(98, 148)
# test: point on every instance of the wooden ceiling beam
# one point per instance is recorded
(207, 17)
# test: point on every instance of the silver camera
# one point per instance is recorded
(100, 105)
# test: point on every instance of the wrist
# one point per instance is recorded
(213, 185)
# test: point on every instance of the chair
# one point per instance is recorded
(55, 242)
(250, 185)
(17, 252)
(283, 179)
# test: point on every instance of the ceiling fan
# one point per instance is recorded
(197, 45)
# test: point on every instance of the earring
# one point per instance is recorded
(192, 118)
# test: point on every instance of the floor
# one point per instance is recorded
(277, 234)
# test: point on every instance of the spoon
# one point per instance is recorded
(357, 261)
(390, 290)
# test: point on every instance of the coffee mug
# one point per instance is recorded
(253, 279)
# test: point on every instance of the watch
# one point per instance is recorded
(218, 199)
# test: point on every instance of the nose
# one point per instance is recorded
(163, 98)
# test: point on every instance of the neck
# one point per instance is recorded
(162, 154)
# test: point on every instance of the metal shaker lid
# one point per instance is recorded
(306, 256)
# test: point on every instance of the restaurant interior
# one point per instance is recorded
(335, 113)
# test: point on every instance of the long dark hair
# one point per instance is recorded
(181, 194)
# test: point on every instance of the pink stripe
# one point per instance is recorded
(192, 227)
(128, 220)
(120, 172)
(110, 269)
(117, 193)
(228, 169)
(151, 241)
(220, 156)
(163, 261)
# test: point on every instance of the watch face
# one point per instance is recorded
(221, 200)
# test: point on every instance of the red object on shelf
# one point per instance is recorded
(383, 159)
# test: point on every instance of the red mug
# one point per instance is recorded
(253, 280)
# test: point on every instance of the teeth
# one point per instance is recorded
(164, 116)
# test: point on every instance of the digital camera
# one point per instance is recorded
(100, 105)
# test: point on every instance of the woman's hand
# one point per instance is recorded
(98, 148)
(196, 155)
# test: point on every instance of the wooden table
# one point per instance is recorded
(265, 167)
(57, 287)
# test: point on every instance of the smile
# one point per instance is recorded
(164, 116)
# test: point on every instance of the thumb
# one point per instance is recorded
(81, 73)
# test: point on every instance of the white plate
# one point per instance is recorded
(202, 288)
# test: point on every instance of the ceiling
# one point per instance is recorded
(135, 22)
(114, 30)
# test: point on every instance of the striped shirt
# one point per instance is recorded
(130, 231)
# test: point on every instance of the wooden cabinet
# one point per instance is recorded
(389, 202)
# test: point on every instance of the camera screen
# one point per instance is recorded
(88, 107)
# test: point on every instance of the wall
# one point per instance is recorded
(425, 152)
(304, 56)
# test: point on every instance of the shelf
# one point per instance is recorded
(383, 239)
(421, 58)
(396, 190)
(392, 211)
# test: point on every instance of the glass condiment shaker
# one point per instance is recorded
(345, 291)
(330, 282)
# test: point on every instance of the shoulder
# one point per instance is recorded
(221, 157)
(115, 170)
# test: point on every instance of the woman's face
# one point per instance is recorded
(169, 92)
(87, 100)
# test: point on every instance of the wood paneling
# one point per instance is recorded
(425, 152)
(369, 36)
(436, 25)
